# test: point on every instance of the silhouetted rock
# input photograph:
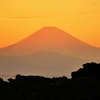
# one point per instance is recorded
(88, 70)
(1, 80)
(56, 88)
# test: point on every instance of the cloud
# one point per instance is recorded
(45, 16)
(88, 12)
(95, 3)
(28, 17)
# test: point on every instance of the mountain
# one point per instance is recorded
(50, 51)
(55, 40)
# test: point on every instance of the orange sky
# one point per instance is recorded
(20, 18)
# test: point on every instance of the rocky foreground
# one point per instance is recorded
(84, 85)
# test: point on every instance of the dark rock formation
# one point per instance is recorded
(88, 70)
(84, 85)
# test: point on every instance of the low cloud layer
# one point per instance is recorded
(47, 16)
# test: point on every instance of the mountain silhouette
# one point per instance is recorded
(49, 50)
(52, 39)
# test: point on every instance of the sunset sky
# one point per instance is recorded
(20, 18)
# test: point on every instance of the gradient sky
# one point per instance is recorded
(20, 18)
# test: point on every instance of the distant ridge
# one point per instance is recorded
(41, 63)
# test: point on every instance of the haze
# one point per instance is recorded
(20, 18)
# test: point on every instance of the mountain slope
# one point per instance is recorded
(55, 40)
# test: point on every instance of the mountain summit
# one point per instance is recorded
(50, 39)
